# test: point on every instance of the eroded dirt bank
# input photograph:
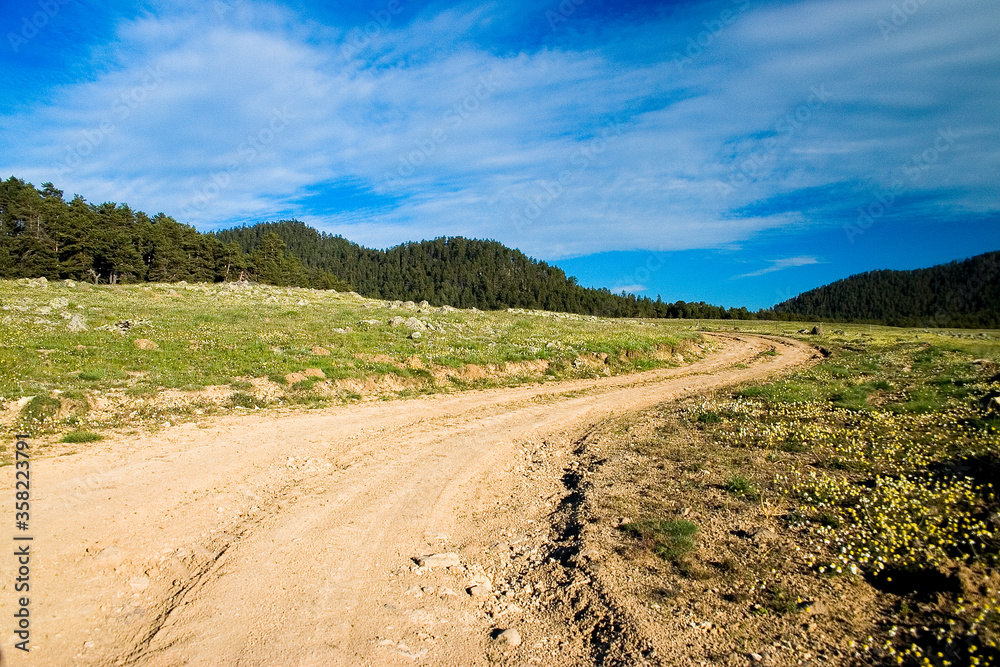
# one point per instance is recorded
(290, 538)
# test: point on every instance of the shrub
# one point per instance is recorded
(668, 539)
(81, 436)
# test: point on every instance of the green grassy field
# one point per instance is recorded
(79, 356)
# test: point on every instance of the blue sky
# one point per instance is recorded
(733, 151)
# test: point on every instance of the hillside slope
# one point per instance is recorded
(962, 293)
(459, 272)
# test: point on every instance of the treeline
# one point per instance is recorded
(958, 294)
(461, 272)
(41, 234)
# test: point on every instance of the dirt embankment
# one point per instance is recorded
(300, 538)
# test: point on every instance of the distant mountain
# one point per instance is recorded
(958, 294)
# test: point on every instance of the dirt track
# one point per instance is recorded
(289, 538)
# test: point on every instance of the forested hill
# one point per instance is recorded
(459, 272)
(42, 234)
(959, 294)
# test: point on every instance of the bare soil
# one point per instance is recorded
(295, 537)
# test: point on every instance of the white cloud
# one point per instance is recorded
(439, 135)
(780, 265)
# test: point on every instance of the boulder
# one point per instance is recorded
(510, 636)
(76, 324)
(447, 559)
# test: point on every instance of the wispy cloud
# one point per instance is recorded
(780, 265)
(629, 289)
(444, 123)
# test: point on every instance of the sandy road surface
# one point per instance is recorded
(289, 538)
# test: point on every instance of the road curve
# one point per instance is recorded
(288, 538)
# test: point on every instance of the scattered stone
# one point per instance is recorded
(510, 636)
(320, 351)
(818, 608)
(76, 324)
(344, 330)
(146, 344)
(447, 559)
(314, 373)
(139, 583)
(985, 364)
(765, 535)
(294, 378)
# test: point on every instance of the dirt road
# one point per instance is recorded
(290, 538)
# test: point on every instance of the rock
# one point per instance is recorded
(409, 305)
(818, 608)
(447, 559)
(478, 590)
(765, 535)
(69, 283)
(139, 583)
(294, 378)
(756, 657)
(416, 335)
(510, 636)
(59, 302)
(76, 324)
(146, 344)
(446, 309)
(817, 330)
(423, 304)
(397, 321)
(314, 373)
(415, 324)
(984, 364)
(320, 351)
